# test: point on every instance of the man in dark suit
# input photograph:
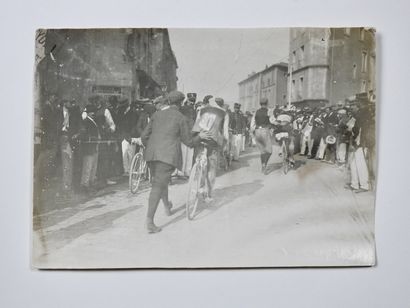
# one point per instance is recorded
(162, 139)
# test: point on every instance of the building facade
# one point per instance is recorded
(329, 65)
(269, 83)
(131, 63)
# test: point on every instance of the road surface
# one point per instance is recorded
(304, 218)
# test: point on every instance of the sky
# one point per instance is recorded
(213, 61)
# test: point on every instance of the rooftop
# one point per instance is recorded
(253, 75)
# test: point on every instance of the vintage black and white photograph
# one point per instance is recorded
(204, 148)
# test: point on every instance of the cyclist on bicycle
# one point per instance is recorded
(213, 119)
(283, 128)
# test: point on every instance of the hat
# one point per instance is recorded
(207, 98)
(191, 96)
(264, 101)
(342, 111)
(219, 101)
(236, 105)
(175, 97)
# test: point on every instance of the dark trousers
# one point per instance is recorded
(161, 176)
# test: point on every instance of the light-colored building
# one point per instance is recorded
(329, 65)
(270, 83)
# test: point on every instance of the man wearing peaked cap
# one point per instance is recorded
(162, 139)
(237, 125)
(175, 98)
(188, 110)
(260, 126)
(191, 97)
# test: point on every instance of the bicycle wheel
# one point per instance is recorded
(136, 172)
(285, 165)
(193, 190)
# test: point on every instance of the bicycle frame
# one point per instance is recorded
(198, 182)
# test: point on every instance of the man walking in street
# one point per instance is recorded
(188, 110)
(260, 127)
(90, 136)
(237, 127)
(162, 139)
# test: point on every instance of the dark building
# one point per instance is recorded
(133, 63)
(330, 65)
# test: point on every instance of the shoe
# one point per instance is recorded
(111, 182)
(360, 190)
(168, 209)
(152, 228)
(208, 199)
(348, 187)
(311, 157)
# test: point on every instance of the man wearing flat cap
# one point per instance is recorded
(162, 138)
(188, 110)
(237, 127)
(261, 125)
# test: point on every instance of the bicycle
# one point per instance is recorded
(198, 183)
(138, 170)
(283, 138)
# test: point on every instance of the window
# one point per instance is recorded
(302, 52)
(364, 61)
(362, 34)
(347, 31)
(363, 86)
(300, 91)
(354, 70)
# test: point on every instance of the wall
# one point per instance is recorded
(105, 61)
(345, 53)
(309, 59)
(249, 93)
(270, 83)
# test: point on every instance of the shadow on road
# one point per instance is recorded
(222, 196)
(277, 166)
(93, 224)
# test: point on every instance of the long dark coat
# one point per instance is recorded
(163, 136)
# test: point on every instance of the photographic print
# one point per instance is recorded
(204, 148)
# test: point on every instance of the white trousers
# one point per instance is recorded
(243, 143)
(341, 153)
(359, 173)
(322, 149)
(306, 141)
(187, 159)
(236, 146)
(128, 152)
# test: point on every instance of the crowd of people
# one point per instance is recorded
(95, 144)
(92, 144)
(343, 135)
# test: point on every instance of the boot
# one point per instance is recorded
(152, 228)
(168, 208)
